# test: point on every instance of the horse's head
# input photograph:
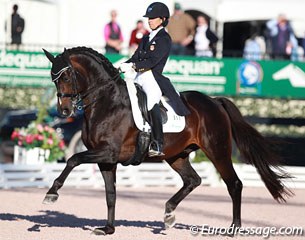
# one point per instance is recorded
(82, 75)
(66, 79)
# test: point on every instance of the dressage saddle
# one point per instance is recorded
(143, 138)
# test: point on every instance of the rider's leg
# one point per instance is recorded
(154, 94)
(156, 145)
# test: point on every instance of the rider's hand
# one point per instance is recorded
(126, 67)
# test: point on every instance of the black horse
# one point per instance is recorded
(109, 133)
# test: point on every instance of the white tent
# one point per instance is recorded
(70, 22)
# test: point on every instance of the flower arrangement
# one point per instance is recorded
(41, 136)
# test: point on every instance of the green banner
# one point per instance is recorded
(21, 69)
(211, 76)
(231, 77)
(275, 79)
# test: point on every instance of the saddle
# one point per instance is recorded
(171, 121)
(142, 101)
(143, 138)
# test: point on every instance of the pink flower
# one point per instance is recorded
(50, 141)
(14, 135)
(48, 129)
(39, 137)
(40, 128)
(61, 144)
(29, 139)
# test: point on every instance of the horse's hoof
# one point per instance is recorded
(50, 199)
(103, 231)
(232, 229)
(236, 224)
(169, 220)
(98, 231)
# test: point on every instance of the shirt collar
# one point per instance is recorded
(154, 33)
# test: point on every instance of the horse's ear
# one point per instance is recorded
(49, 55)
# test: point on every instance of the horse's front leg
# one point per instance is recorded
(75, 160)
(109, 174)
(52, 195)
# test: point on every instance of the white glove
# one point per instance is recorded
(125, 67)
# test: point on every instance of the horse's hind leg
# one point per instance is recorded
(109, 174)
(216, 142)
(221, 158)
(234, 186)
(191, 180)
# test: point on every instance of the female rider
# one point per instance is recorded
(148, 61)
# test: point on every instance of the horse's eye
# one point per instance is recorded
(66, 79)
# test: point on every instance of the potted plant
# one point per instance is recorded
(37, 143)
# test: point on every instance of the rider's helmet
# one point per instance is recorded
(158, 9)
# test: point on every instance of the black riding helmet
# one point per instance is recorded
(158, 9)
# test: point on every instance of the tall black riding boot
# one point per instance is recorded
(156, 145)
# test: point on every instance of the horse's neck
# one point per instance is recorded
(108, 113)
(107, 98)
(104, 89)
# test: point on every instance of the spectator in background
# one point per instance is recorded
(255, 46)
(205, 40)
(181, 28)
(137, 35)
(16, 25)
(282, 38)
(113, 34)
(303, 46)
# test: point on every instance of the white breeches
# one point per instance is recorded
(150, 86)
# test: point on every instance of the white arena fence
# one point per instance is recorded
(144, 175)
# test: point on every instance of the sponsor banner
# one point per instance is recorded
(210, 76)
(230, 77)
(275, 79)
(21, 69)
(284, 79)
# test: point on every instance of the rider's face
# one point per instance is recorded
(154, 23)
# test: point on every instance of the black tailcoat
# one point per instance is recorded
(152, 55)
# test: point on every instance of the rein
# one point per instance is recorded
(92, 89)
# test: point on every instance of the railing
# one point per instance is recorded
(145, 175)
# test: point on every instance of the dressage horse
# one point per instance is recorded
(84, 76)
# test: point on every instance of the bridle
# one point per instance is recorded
(77, 97)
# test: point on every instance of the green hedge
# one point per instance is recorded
(24, 98)
(21, 98)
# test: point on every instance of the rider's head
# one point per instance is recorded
(158, 10)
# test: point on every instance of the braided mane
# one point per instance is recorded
(98, 57)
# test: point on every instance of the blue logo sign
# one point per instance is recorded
(250, 74)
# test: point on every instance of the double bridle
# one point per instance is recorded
(76, 97)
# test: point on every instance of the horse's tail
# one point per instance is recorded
(258, 151)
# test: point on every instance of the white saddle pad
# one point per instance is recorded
(174, 124)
